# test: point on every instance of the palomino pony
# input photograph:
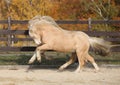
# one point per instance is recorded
(49, 36)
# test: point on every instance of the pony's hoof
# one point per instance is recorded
(61, 69)
(39, 60)
(30, 62)
(78, 71)
(96, 70)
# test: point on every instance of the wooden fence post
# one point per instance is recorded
(9, 28)
(89, 24)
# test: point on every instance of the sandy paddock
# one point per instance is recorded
(51, 76)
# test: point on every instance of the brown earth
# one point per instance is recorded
(43, 76)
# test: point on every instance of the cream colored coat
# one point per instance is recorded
(49, 36)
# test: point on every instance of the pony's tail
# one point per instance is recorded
(100, 46)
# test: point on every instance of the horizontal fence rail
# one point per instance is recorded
(6, 35)
(66, 22)
(113, 37)
(109, 36)
(91, 33)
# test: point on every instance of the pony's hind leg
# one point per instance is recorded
(80, 60)
(91, 59)
(72, 59)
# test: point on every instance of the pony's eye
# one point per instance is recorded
(30, 26)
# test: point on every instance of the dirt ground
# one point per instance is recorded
(51, 76)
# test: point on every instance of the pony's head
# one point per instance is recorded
(38, 23)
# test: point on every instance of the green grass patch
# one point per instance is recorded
(58, 59)
(112, 58)
(22, 59)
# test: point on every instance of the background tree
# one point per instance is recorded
(102, 9)
(61, 10)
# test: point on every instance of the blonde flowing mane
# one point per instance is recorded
(43, 19)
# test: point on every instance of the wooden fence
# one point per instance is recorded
(109, 36)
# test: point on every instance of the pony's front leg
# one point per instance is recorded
(39, 49)
(38, 55)
(32, 59)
